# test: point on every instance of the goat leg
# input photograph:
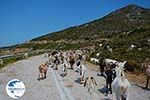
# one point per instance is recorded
(39, 77)
(147, 81)
(123, 98)
(45, 74)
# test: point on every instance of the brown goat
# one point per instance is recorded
(146, 68)
(42, 71)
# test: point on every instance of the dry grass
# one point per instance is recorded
(138, 78)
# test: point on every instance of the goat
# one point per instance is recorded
(123, 64)
(42, 71)
(110, 50)
(146, 68)
(109, 78)
(82, 73)
(71, 61)
(64, 68)
(1, 62)
(97, 55)
(120, 85)
(91, 83)
(94, 60)
(26, 55)
(110, 61)
(56, 63)
(132, 46)
(45, 55)
(78, 63)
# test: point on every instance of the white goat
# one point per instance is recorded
(121, 64)
(97, 55)
(1, 62)
(91, 83)
(26, 55)
(120, 85)
(132, 46)
(45, 55)
(82, 73)
(64, 68)
(100, 45)
(94, 60)
(117, 63)
(110, 49)
(110, 61)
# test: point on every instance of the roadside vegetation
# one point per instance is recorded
(13, 59)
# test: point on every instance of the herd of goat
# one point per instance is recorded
(112, 70)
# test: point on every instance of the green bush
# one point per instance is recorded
(136, 65)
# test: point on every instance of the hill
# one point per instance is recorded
(121, 20)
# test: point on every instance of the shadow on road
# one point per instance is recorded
(77, 80)
(142, 87)
(106, 99)
(103, 91)
(101, 75)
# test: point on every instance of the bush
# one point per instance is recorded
(136, 65)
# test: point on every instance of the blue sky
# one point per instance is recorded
(22, 20)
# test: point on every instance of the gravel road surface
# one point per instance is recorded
(55, 87)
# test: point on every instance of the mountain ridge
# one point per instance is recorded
(107, 22)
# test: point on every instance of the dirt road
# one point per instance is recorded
(56, 87)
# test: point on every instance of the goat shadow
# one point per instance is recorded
(76, 71)
(104, 91)
(39, 79)
(98, 74)
(142, 87)
(63, 75)
(77, 80)
(71, 68)
(106, 99)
